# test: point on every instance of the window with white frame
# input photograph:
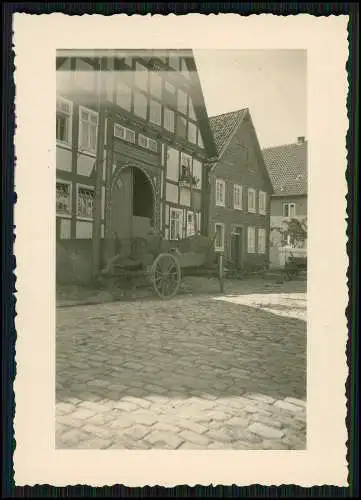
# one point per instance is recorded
(261, 240)
(289, 210)
(64, 113)
(88, 127)
(85, 202)
(152, 145)
(262, 202)
(175, 224)
(143, 141)
(251, 200)
(219, 239)
(155, 112)
(169, 118)
(63, 198)
(220, 192)
(190, 224)
(147, 143)
(237, 197)
(251, 240)
(124, 133)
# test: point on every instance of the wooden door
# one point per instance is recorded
(236, 247)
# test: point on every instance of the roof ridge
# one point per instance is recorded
(289, 144)
(229, 113)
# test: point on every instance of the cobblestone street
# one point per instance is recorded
(195, 372)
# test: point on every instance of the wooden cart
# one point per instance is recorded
(160, 264)
(295, 266)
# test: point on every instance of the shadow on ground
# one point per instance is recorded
(178, 349)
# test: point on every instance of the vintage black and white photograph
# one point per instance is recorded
(181, 249)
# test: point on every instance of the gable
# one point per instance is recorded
(287, 167)
(157, 86)
(243, 158)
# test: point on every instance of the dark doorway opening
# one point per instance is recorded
(237, 247)
(142, 195)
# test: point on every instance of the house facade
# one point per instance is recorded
(133, 142)
(240, 192)
(287, 168)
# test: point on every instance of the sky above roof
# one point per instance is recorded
(271, 83)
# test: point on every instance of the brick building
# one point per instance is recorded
(240, 191)
(133, 141)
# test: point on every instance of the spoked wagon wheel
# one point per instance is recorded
(166, 276)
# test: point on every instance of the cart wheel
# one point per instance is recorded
(166, 275)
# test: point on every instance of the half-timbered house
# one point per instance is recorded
(133, 140)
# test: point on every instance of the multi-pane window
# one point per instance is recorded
(220, 192)
(140, 105)
(155, 112)
(219, 239)
(182, 102)
(155, 84)
(172, 164)
(63, 198)
(251, 240)
(152, 145)
(147, 142)
(168, 119)
(124, 133)
(86, 197)
(175, 224)
(237, 197)
(200, 140)
(123, 95)
(181, 126)
(192, 132)
(251, 200)
(143, 141)
(289, 210)
(190, 224)
(262, 202)
(141, 76)
(64, 111)
(261, 240)
(88, 126)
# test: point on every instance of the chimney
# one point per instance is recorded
(301, 140)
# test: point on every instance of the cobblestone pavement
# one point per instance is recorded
(190, 373)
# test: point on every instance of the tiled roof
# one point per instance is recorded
(223, 127)
(287, 168)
